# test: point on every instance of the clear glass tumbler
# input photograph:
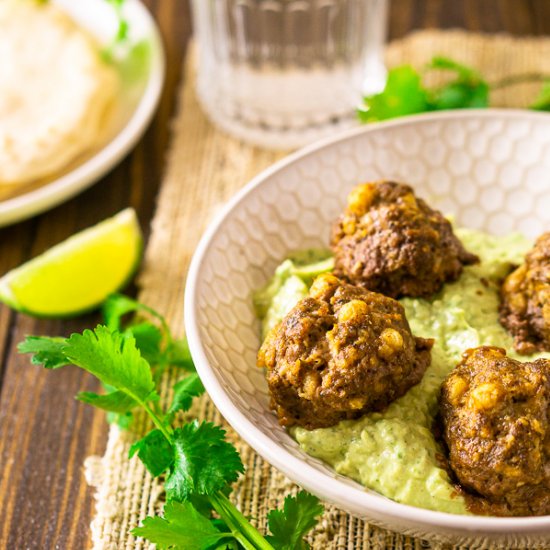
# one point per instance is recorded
(281, 73)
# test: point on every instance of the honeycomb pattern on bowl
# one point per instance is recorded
(490, 171)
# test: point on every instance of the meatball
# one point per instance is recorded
(495, 413)
(339, 353)
(392, 242)
(525, 305)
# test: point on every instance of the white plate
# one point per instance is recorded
(132, 113)
(490, 168)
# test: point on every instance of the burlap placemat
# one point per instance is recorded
(204, 168)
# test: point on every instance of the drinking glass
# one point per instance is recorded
(281, 73)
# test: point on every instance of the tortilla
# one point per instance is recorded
(55, 91)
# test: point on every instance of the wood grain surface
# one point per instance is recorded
(45, 435)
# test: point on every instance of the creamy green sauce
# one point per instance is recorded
(289, 284)
(394, 452)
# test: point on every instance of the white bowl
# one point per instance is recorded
(489, 168)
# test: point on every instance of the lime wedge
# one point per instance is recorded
(78, 274)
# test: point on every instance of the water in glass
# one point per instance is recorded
(281, 73)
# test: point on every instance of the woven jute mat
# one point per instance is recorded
(204, 168)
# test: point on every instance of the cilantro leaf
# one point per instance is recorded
(204, 461)
(47, 351)
(114, 359)
(122, 420)
(184, 392)
(289, 525)
(148, 340)
(149, 337)
(460, 95)
(405, 94)
(118, 305)
(116, 401)
(180, 356)
(182, 528)
(115, 307)
(154, 451)
(122, 31)
(467, 90)
(445, 63)
(402, 95)
(542, 103)
(203, 505)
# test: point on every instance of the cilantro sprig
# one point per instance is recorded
(406, 94)
(289, 525)
(122, 23)
(128, 354)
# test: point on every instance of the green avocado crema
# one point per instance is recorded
(394, 452)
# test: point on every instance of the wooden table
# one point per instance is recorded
(45, 435)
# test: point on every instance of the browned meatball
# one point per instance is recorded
(496, 423)
(341, 352)
(525, 306)
(391, 242)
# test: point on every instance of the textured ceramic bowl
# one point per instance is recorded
(490, 169)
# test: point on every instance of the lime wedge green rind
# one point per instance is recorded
(78, 274)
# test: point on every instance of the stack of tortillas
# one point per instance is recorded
(55, 91)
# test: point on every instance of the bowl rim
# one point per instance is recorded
(296, 469)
